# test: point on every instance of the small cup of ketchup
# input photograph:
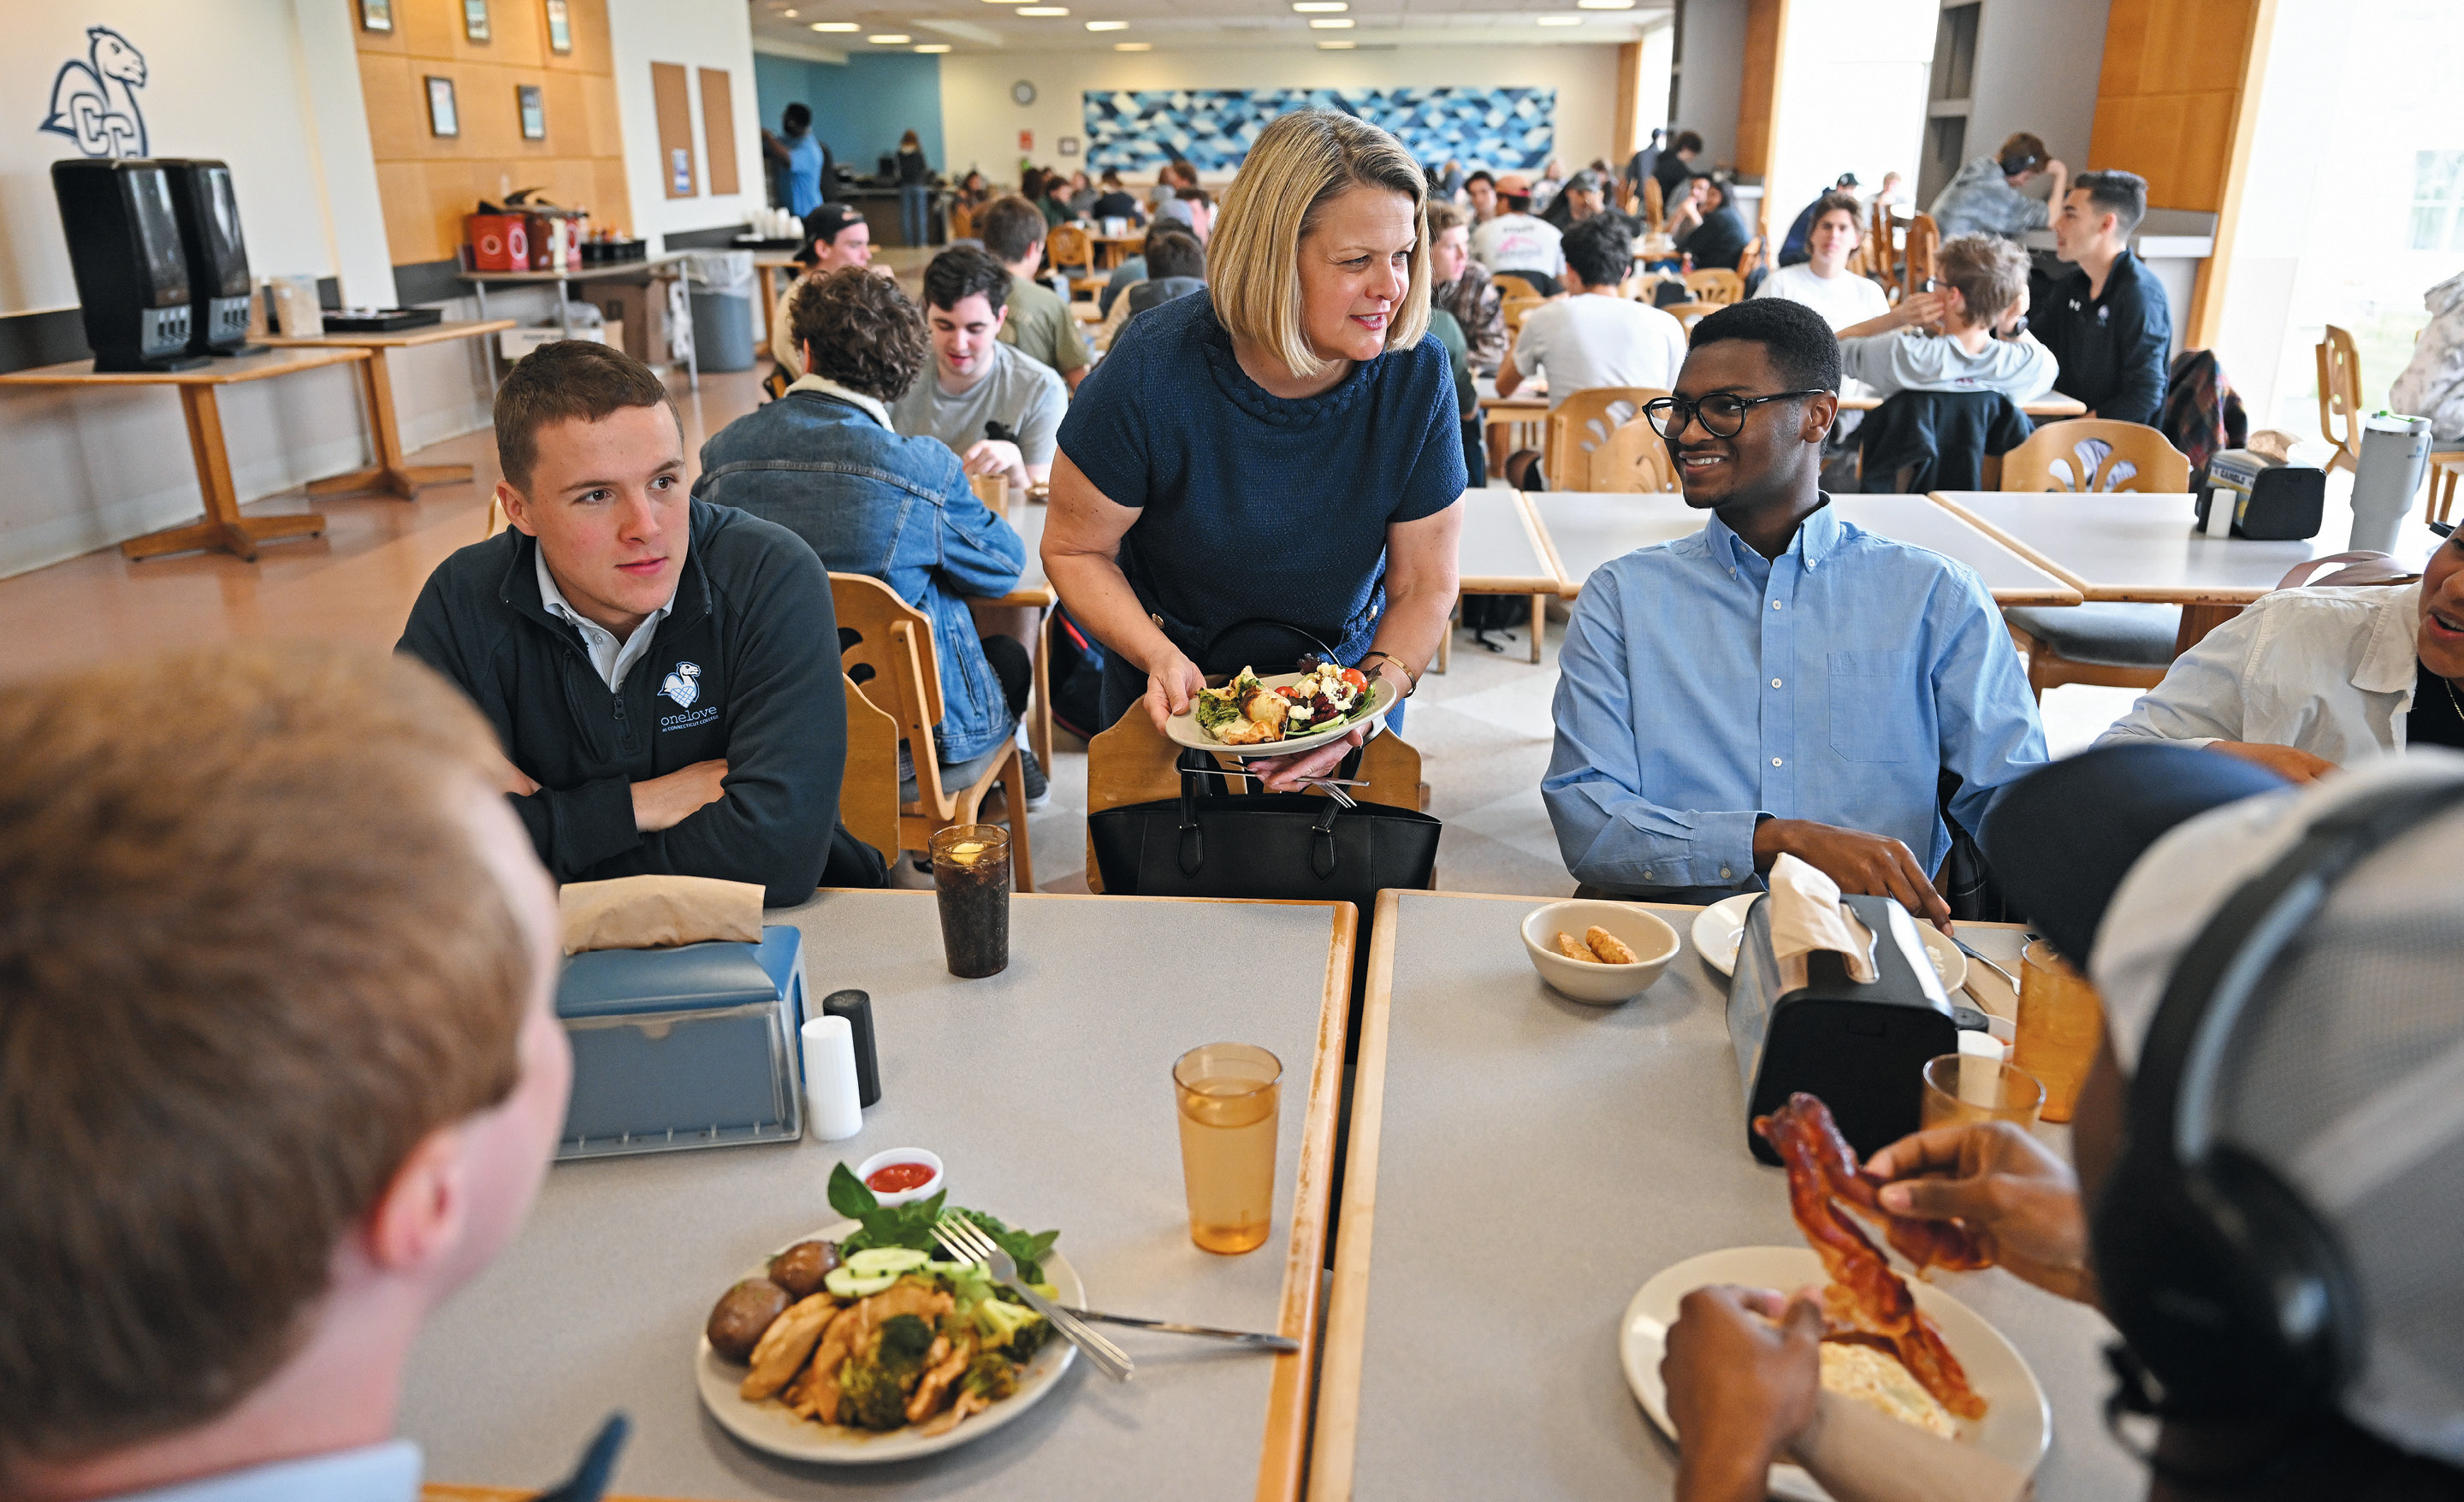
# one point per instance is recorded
(901, 1174)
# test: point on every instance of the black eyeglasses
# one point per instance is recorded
(1722, 415)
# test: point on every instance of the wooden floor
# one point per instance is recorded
(355, 583)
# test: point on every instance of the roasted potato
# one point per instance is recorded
(742, 1314)
(802, 1267)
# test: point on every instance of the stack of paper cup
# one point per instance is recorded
(833, 1109)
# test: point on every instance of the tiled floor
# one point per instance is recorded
(1483, 729)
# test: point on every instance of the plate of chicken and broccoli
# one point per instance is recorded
(858, 1344)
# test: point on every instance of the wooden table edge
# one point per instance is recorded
(1538, 530)
(1943, 500)
(390, 338)
(201, 375)
(1283, 1457)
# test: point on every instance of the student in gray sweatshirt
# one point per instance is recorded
(1968, 333)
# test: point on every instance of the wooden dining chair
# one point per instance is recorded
(1635, 459)
(2439, 496)
(1750, 258)
(1881, 251)
(2113, 644)
(1655, 206)
(868, 785)
(496, 520)
(1134, 763)
(1513, 310)
(1916, 264)
(1689, 313)
(963, 222)
(2092, 456)
(1716, 287)
(1509, 285)
(887, 650)
(2340, 395)
(1583, 424)
(1069, 249)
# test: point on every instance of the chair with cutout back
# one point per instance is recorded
(496, 520)
(1512, 310)
(1635, 459)
(888, 652)
(868, 787)
(1133, 763)
(1070, 249)
(1583, 424)
(2110, 642)
(962, 222)
(1509, 285)
(1689, 313)
(1655, 206)
(1720, 288)
(2340, 395)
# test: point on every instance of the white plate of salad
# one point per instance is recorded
(992, 1357)
(1281, 714)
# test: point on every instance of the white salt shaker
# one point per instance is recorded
(833, 1109)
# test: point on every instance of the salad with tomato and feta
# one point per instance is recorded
(1247, 712)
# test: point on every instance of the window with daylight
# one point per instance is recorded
(2438, 200)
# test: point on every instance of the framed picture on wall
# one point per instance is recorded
(1067, 145)
(475, 19)
(534, 111)
(376, 15)
(443, 120)
(560, 26)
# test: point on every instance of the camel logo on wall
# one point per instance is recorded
(94, 99)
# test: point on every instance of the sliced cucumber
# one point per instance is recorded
(846, 1282)
(872, 1260)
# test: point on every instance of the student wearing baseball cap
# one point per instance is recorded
(835, 235)
(1516, 242)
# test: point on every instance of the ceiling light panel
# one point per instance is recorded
(890, 39)
(1338, 24)
(1134, 47)
(1042, 9)
(1108, 26)
(1336, 47)
(1561, 20)
(1321, 6)
(933, 47)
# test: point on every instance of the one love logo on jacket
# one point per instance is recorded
(684, 684)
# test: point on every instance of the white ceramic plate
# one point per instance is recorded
(768, 1425)
(1183, 727)
(1718, 927)
(2017, 1425)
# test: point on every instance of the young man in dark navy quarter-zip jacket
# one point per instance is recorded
(662, 673)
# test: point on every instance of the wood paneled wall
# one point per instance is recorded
(1758, 88)
(2170, 94)
(2177, 103)
(427, 181)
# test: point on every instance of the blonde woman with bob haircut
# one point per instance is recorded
(1275, 464)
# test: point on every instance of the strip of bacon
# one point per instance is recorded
(1924, 1243)
(1864, 1293)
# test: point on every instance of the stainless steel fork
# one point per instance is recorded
(969, 1242)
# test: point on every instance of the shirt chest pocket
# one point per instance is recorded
(1872, 716)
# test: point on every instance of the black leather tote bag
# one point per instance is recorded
(1212, 841)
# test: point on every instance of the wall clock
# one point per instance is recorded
(1022, 92)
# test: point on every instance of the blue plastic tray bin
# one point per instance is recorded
(690, 1047)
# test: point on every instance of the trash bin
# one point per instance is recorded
(721, 283)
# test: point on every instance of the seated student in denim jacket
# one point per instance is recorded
(824, 461)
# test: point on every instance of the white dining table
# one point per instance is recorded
(2134, 546)
(1047, 1090)
(1519, 1165)
(1501, 552)
(1584, 528)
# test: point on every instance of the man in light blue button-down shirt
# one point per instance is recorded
(1781, 681)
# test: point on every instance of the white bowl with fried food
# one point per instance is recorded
(1627, 947)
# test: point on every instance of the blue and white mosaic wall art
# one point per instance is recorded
(1137, 130)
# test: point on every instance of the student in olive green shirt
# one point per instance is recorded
(1040, 323)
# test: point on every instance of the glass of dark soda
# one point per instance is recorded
(971, 873)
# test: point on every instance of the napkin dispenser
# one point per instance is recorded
(694, 1046)
(1862, 1047)
(2269, 500)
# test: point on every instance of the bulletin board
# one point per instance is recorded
(673, 98)
(718, 128)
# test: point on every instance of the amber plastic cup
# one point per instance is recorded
(2060, 1026)
(1968, 1087)
(971, 874)
(1229, 1099)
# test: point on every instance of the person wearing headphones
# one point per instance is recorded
(2268, 1190)
(1985, 198)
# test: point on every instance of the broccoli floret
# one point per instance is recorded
(874, 1388)
(1010, 1327)
(991, 1375)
